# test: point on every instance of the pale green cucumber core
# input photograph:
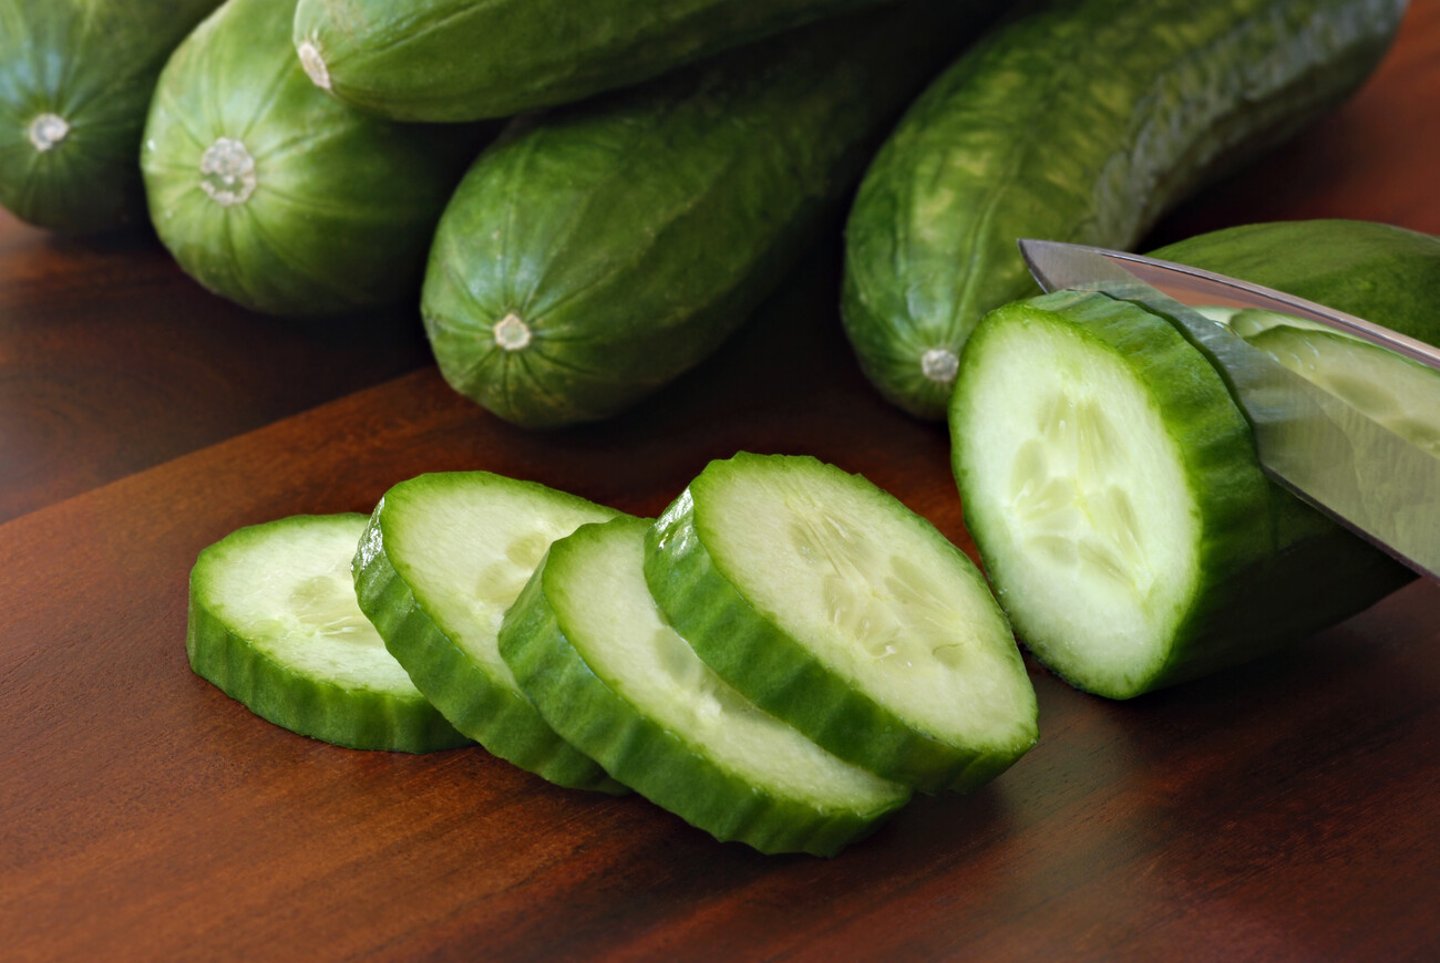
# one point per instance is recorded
(47, 130)
(871, 592)
(227, 172)
(614, 624)
(292, 598)
(1083, 496)
(466, 551)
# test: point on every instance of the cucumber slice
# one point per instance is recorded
(590, 647)
(834, 607)
(1395, 391)
(443, 557)
(1112, 487)
(273, 623)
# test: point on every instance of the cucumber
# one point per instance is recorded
(273, 623)
(1398, 393)
(1379, 272)
(275, 196)
(589, 646)
(594, 255)
(1084, 121)
(1111, 485)
(835, 608)
(447, 60)
(75, 81)
(442, 558)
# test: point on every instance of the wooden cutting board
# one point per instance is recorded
(1286, 810)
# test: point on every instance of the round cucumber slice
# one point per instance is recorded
(836, 608)
(1111, 484)
(590, 647)
(273, 623)
(443, 557)
(1395, 391)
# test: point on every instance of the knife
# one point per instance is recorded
(1317, 444)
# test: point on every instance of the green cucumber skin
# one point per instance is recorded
(773, 670)
(506, 726)
(449, 60)
(655, 761)
(1271, 569)
(1083, 122)
(228, 661)
(343, 205)
(634, 235)
(1382, 273)
(94, 64)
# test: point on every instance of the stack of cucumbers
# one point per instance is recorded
(780, 658)
(666, 164)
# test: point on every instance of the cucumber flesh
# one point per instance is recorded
(444, 555)
(1395, 391)
(593, 651)
(273, 623)
(1111, 484)
(834, 607)
(1078, 494)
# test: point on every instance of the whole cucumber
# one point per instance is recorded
(75, 81)
(447, 60)
(277, 197)
(1082, 122)
(594, 254)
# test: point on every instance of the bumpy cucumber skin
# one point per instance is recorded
(657, 762)
(356, 719)
(1270, 569)
(749, 650)
(1082, 122)
(505, 724)
(449, 60)
(94, 65)
(1385, 274)
(343, 205)
(628, 238)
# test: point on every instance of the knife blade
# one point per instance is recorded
(1317, 444)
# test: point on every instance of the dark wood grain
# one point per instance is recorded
(113, 361)
(1288, 810)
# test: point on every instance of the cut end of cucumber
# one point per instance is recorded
(314, 64)
(511, 333)
(47, 131)
(939, 365)
(227, 172)
(1077, 494)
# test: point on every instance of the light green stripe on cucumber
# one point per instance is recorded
(273, 623)
(591, 649)
(443, 557)
(1111, 484)
(831, 605)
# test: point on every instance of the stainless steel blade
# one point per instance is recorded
(1318, 445)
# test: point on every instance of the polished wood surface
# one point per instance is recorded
(1288, 810)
